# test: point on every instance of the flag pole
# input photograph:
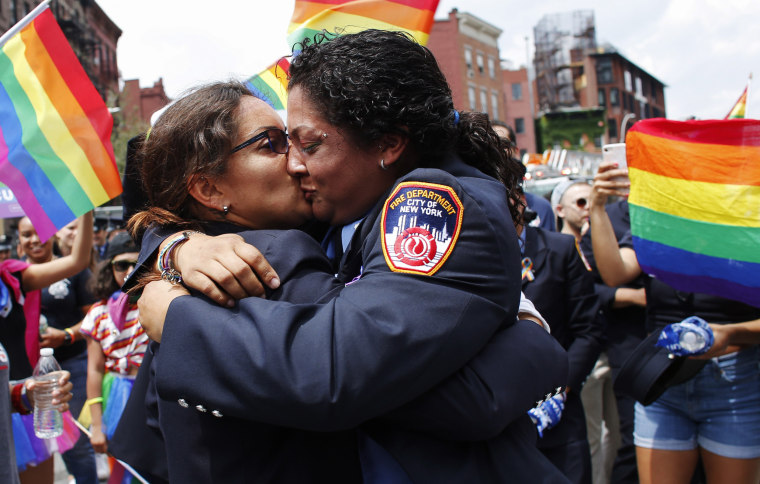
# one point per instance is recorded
(23, 22)
(746, 107)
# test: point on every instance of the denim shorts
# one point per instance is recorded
(717, 410)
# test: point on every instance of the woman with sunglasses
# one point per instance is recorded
(402, 318)
(115, 343)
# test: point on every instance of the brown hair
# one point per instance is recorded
(192, 138)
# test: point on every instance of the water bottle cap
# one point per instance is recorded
(46, 351)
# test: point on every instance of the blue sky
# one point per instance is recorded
(703, 50)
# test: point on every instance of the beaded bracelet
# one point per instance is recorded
(164, 261)
(18, 394)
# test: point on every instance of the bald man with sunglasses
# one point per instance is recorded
(570, 200)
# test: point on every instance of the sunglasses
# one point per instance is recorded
(123, 265)
(277, 139)
(581, 202)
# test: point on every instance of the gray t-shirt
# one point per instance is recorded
(8, 469)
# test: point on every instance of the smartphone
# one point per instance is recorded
(616, 152)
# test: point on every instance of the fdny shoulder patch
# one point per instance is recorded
(421, 223)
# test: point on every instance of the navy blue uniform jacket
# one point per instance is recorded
(374, 345)
(563, 292)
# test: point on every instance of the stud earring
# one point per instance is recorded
(226, 210)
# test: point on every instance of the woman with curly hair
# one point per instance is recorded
(378, 373)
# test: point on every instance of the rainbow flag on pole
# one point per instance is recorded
(695, 204)
(55, 130)
(739, 111)
(311, 17)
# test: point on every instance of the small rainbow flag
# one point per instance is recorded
(695, 204)
(55, 130)
(311, 17)
(739, 110)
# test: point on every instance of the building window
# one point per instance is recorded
(519, 125)
(614, 97)
(484, 100)
(516, 91)
(468, 57)
(602, 98)
(612, 130)
(628, 102)
(491, 67)
(471, 98)
(494, 105)
(604, 72)
(639, 87)
(480, 63)
(628, 81)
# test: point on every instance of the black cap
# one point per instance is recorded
(649, 371)
(120, 244)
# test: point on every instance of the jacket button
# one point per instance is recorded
(216, 413)
(200, 408)
(183, 403)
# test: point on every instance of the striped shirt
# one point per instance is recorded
(123, 349)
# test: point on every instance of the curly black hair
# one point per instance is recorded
(378, 82)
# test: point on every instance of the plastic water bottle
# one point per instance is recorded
(692, 340)
(48, 422)
(692, 336)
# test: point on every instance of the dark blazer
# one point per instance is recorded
(364, 352)
(563, 292)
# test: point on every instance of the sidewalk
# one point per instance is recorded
(61, 476)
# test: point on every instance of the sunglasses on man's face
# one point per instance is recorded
(276, 138)
(123, 265)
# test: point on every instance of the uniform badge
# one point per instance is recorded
(421, 223)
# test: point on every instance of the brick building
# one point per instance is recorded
(467, 50)
(91, 33)
(573, 72)
(517, 94)
(622, 88)
(139, 103)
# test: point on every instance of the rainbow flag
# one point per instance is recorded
(311, 17)
(740, 107)
(55, 130)
(695, 204)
